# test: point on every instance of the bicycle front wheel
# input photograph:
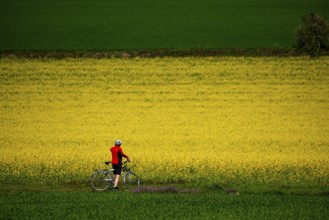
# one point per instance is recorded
(101, 180)
(131, 180)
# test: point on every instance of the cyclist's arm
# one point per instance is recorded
(124, 155)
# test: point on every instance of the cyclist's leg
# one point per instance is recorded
(116, 180)
(117, 172)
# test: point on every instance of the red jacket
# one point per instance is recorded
(117, 155)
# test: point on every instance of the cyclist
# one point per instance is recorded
(117, 155)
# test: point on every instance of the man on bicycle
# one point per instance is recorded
(117, 155)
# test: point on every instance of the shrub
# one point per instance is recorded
(312, 35)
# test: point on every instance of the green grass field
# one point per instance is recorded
(111, 205)
(148, 24)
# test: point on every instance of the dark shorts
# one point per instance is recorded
(117, 169)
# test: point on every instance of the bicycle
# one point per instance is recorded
(102, 179)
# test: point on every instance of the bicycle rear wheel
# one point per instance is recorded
(131, 180)
(101, 180)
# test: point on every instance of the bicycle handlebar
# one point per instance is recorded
(108, 163)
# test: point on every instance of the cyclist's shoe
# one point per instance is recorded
(116, 188)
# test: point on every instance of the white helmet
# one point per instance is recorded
(118, 142)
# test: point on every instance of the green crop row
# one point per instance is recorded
(147, 24)
(111, 205)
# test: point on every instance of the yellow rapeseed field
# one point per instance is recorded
(224, 120)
